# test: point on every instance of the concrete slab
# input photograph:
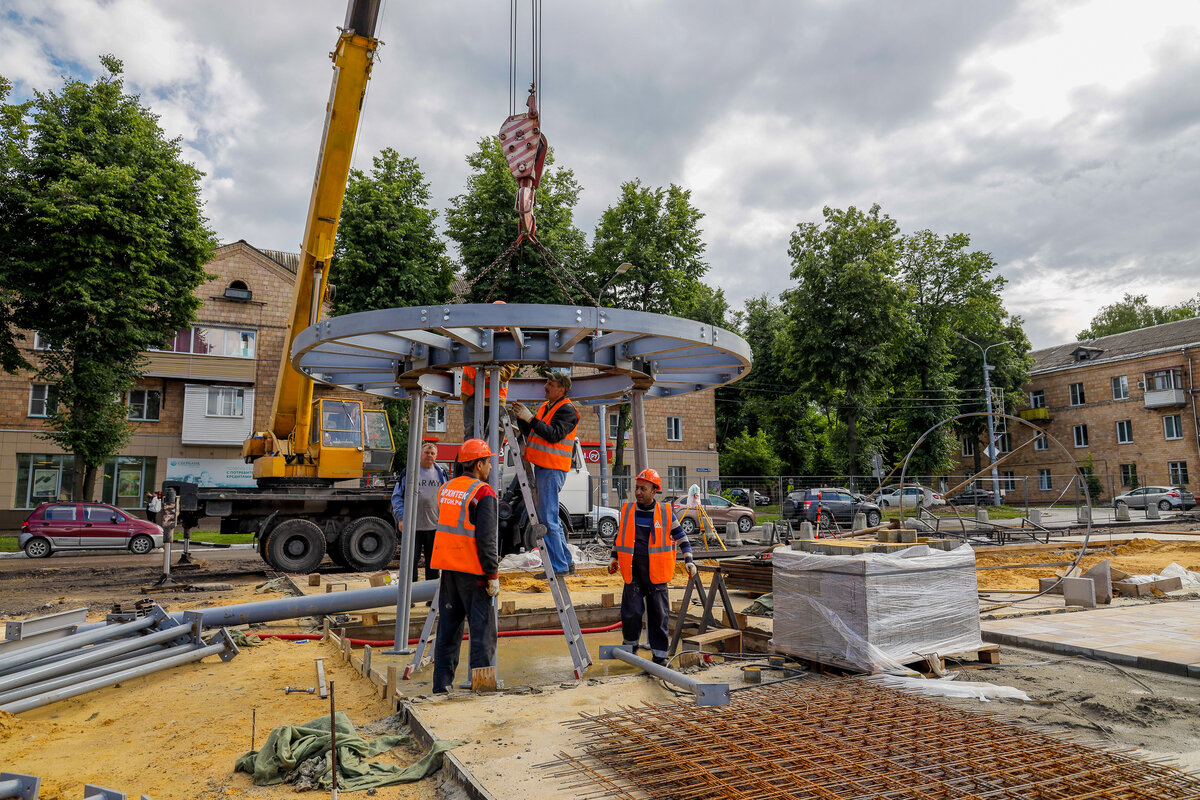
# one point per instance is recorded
(1079, 592)
(1164, 637)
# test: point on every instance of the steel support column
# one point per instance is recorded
(493, 438)
(404, 583)
(602, 412)
(641, 456)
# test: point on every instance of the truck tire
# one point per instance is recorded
(295, 545)
(367, 544)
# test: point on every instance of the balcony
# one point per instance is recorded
(187, 366)
(1165, 398)
(1035, 414)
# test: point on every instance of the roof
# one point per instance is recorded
(1119, 346)
(289, 261)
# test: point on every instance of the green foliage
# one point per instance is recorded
(1133, 312)
(14, 138)
(750, 455)
(388, 252)
(483, 223)
(1091, 482)
(104, 244)
(658, 231)
(843, 315)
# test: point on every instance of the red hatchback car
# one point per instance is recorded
(86, 526)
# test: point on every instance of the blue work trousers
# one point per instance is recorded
(652, 599)
(549, 482)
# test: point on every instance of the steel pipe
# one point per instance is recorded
(84, 687)
(76, 640)
(18, 787)
(707, 694)
(92, 655)
(94, 672)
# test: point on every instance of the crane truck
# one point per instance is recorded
(297, 512)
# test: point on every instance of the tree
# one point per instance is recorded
(658, 231)
(104, 244)
(388, 252)
(483, 223)
(1135, 311)
(14, 138)
(843, 315)
(747, 454)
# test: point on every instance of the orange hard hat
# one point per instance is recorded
(650, 476)
(472, 450)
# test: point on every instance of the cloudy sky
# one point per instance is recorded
(1064, 137)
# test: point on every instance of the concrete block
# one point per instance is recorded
(1079, 592)
(1049, 586)
(1152, 511)
(806, 530)
(906, 537)
(1122, 513)
(1083, 513)
(1103, 580)
(981, 515)
(1035, 516)
(860, 522)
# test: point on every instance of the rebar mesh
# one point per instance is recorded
(844, 739)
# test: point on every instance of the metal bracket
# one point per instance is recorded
(231, 649)
(21, 787)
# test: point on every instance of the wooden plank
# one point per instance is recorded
(483, 679)
(727, 639)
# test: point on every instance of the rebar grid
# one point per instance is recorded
(843, 740)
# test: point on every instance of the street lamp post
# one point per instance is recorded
(602, 410)
(987, 388)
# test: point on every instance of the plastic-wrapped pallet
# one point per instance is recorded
(876, 611)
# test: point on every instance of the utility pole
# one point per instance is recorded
(987, 388)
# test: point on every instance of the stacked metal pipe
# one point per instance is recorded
(58, 664)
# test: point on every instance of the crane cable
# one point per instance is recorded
(535, 51)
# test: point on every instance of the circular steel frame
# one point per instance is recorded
(392, 351)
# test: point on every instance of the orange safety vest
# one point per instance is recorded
(662, 547)
(551, 455)
(468, 385)
(454, 544)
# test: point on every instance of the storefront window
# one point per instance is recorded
(43, 478)
(127, 479)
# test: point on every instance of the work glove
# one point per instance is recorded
(523, 413)
(493, 587)
(613, 566)
(692, 571)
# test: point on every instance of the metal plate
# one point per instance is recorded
(614, 351)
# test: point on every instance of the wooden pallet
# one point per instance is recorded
(934, 664)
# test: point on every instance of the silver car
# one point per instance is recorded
(1165, 497)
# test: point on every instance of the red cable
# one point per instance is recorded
(300, 637)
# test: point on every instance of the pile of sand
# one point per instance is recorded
(1136, 557)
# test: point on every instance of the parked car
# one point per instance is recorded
(719, 510)
(1165, 497)
(908, 496)
(86, 526)
(838, 503)
(605, 521)
(743, 496)
(975, 496)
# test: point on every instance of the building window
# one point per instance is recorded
(1173, 427)
(145, 405)
(1077, 396)
(210, 341)
(1037, 398)
(42, 478)
(127, 479)
(1044, 482)
(613, 430)
(1120, 387)
(1008, 481)
(43, 399)
(1129, 475)
(1081, 437)
(1164, 379)
(676, 478)
(238, 290)
(435, 418)
(1040, 442)
(1003, 443)
(225, 401)
(968, 446)
(674, 429)
(39, 342)
(1177, 473)
(1125, 431)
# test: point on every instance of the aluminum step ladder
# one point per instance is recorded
(558, 589)
(419, 658)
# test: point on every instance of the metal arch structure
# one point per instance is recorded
(394, 351)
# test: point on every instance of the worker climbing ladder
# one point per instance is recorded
(558, 590)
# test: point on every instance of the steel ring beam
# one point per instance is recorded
(391, 351)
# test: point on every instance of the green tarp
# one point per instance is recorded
(291, 751)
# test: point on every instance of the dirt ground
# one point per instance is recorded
(1136, 557)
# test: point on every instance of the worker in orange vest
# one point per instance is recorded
(465, 549)
(646, 558)
(467, 393)
(549, 446)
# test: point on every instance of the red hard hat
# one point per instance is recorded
(473, 449)
(650, 476)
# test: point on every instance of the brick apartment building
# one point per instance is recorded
(213, 384)
(1127, 400)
